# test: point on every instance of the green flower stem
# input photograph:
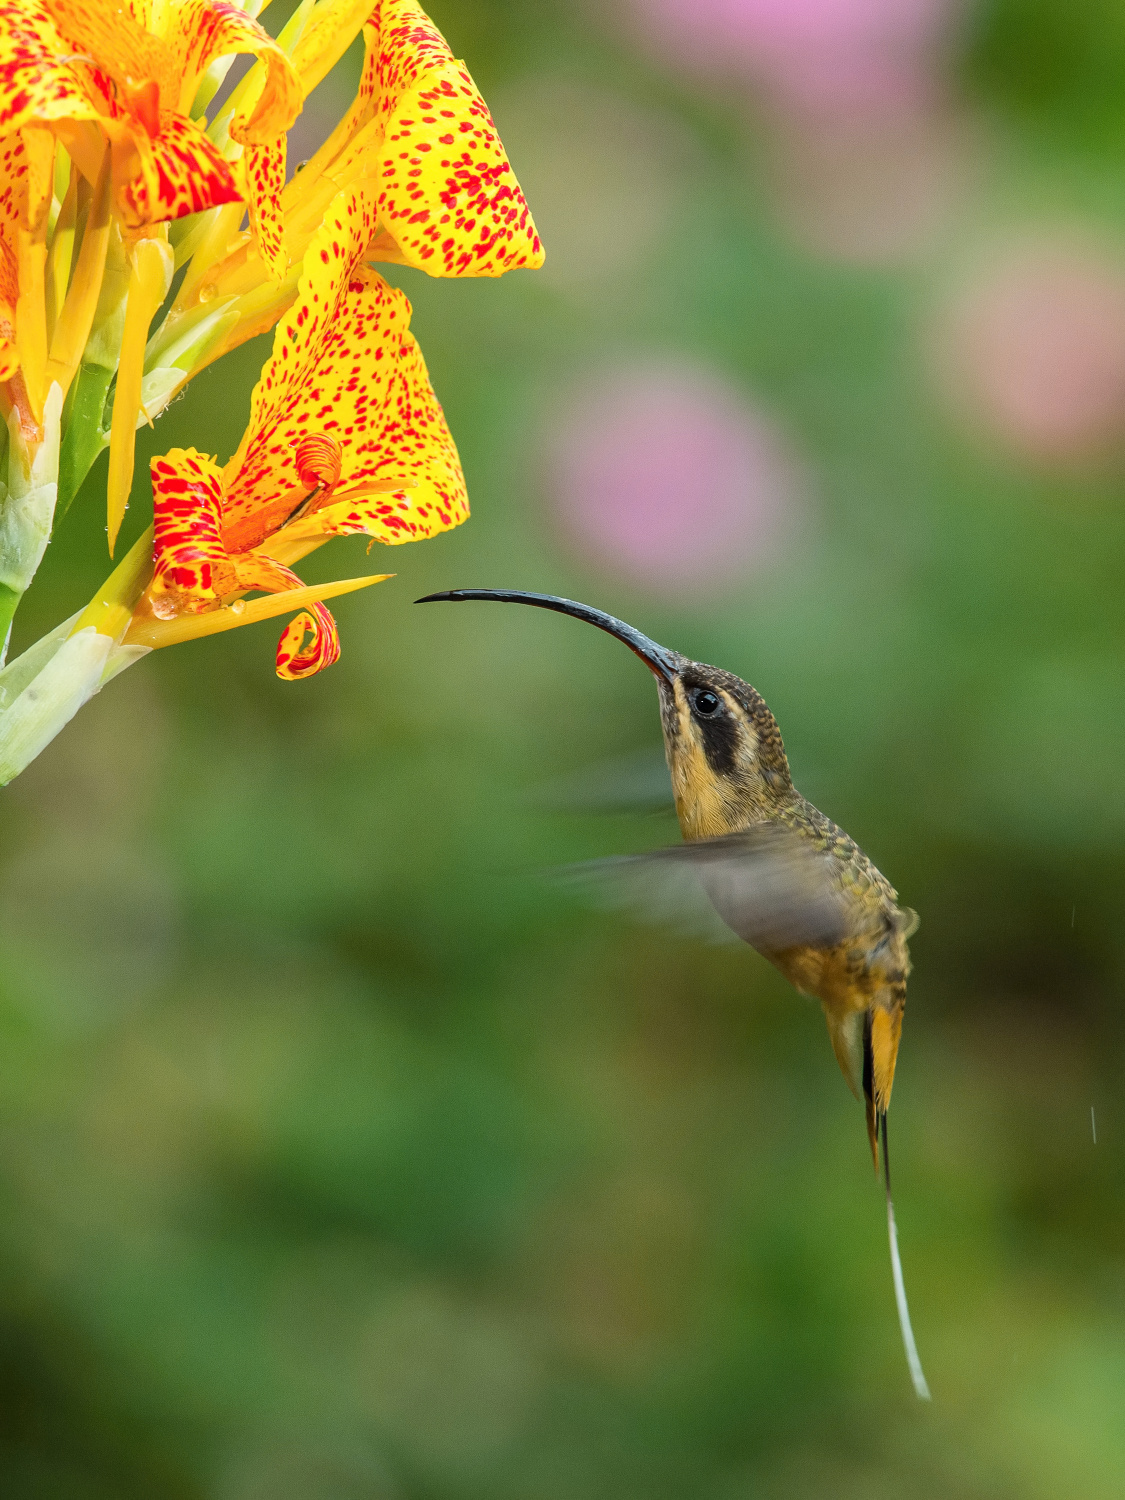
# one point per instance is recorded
(85, 436)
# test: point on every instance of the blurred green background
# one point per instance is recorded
(341, 1156)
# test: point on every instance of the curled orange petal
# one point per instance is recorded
(318, 459)
(309, 643)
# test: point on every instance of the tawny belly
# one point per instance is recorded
(841, 977)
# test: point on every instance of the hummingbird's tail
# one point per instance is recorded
(921, 1389)
(869, 1104)
(882, 1028)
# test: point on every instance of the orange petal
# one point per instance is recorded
(319, 460)
(253, 571)
(192, 568)
(180, 172)
(309, 643)
(118, 42)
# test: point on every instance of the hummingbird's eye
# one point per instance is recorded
(707, 703)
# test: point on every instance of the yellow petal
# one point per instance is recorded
(149, 278)
(31, 305)
(265, 178)
(31, 318)
(155, 633)
(200, 31)
(61, 254)
(449, 201)
(308, 644)
(328, 33)
(77, 316)
(449, 198)
(404, 482)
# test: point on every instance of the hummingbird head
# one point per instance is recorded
(721, 741)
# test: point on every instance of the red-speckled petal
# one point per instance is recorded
(449, 198)
(309, 643)
(13, 171)
(9, 296)
(408, 485)
(409, 47)
(336, 328)
(201, 30)
(345, 369)
(180, 172)
(265, 178)
(193, 570)
(35, 82)
(191, 567)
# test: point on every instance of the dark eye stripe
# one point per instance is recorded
(721, 737)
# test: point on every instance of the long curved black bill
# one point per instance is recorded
(657, 658)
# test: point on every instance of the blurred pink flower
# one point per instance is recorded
(665, 474)
(1033, 350)
(855, 55)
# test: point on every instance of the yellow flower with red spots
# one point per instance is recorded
(345, 436)
(128, 74)
(112, 179)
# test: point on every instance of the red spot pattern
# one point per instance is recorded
(34, 84)
(448, 195)
(102, 61)
(179, 172)
(193, 570)
(13, 171)
(344, 412)
(265, 178)
(345, 365)
(191, 564)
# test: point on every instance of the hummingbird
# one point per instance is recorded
(779, 873)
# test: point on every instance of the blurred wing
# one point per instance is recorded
(661, 893)
(623, 783)
(771, 887)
